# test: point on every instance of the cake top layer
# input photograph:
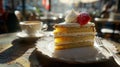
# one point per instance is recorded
(65, 24)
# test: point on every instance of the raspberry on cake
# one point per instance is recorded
(75, 32)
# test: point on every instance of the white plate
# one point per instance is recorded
(23, 34)
(45, 45)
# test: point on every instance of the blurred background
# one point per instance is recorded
(105, 13)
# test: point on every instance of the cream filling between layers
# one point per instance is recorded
(62, 43)
(74, 34)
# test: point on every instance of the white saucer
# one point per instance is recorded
(23, 34)
(76, 55)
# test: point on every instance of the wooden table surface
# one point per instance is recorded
(21, 52)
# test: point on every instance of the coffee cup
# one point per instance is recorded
(31, 28)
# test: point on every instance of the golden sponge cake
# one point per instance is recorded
(73, 35)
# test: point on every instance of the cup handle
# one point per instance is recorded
(44, 27)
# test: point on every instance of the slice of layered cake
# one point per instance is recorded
(75, 32)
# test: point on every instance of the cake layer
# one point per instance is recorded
(74, 29)
(73, 45)
(73, 39)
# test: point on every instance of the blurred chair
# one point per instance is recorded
(9, 23)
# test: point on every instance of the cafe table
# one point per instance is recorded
(102, 20)
(18, 51)
(107, 27)
(116, 22)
